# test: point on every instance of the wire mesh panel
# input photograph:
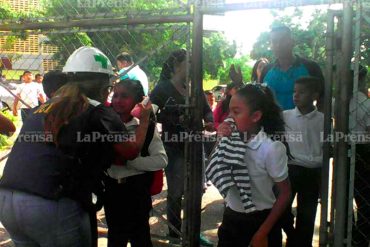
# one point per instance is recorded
(349, 203)
(149, 31)
(359, 123)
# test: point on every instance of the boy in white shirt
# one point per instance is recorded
(30, 93)
(305, 124)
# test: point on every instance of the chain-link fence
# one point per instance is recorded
(359, 125)
(345, 193)
(150, 32)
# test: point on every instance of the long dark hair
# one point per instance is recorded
(168, 67)
(254, 77)
(260, 98)
(226, 101)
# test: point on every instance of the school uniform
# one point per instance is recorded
(29, 93)
(127, 196)
(304, 136)
(266, 162)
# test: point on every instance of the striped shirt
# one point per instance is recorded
(227, 168)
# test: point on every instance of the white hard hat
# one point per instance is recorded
(88, 59)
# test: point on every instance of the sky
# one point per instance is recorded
(245, 26)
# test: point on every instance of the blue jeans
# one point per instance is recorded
(35, 221)
(175, 186)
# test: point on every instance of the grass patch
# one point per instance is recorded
(209, 84)
(15, 74)
(5, 141)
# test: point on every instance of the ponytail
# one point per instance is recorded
(260, 98)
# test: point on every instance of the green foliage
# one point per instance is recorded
(223, 72)
(136, 41)
(6, 142)
(365, 44)
(6, 12)
(67, 44)
(216, 50)
(310, 40)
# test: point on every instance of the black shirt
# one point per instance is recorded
(172, 118)
(74, 168)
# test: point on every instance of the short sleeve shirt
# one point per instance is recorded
(38, 166)
(267, 163)
(29, 93)
(305, 137)
(282, 82)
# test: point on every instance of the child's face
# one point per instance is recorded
(28, 77)
(245, 119)
(210, 99)
(302, 96)
(122, 102)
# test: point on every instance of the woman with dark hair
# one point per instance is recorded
(169, 93)
(222, 109)
(257, 69)
(59, 159)
(127, 200)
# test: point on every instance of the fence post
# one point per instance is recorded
(357, 42)
(193, 177)
(342, 129)
(323, 238)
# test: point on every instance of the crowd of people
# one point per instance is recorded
(92, 152)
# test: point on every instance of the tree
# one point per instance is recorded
(6, 14)
(216, 50)
(223, 72)
(310, 40)
(139, 40)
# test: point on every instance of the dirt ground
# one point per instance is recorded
(212, 206)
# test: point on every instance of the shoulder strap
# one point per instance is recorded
(148, 139)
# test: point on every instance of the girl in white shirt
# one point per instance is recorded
(259, 122)
(127, 200)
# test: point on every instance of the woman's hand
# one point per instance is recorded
(236, 76)
(224, 129)
(259, 240)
